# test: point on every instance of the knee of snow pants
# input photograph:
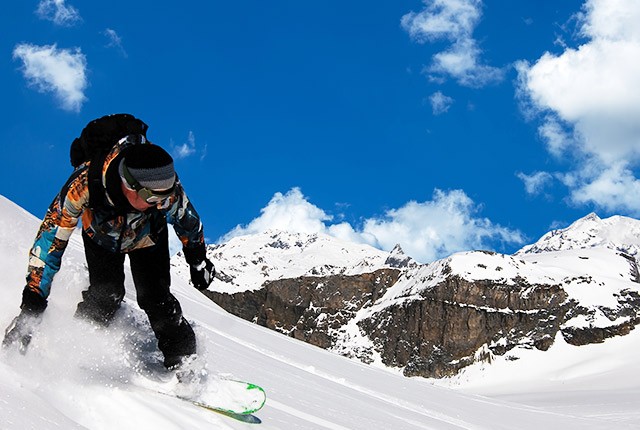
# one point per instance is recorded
(106, 290)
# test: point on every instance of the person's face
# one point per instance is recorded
(134, 199)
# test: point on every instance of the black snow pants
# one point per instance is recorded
(150, 268)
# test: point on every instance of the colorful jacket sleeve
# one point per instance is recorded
(186, 222)
(53, 236)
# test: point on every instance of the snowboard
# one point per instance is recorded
(231, 398)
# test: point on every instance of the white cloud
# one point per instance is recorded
(536, 182)
(612, 188)
(612, 19)
(591, 103)
(557, 138)
(186, 149)
(115, 41)
(462, 62)
(454, 21)
(58, 12)
(426, 230)
(440, 103)
(59, 71)
(290, 212)
(437, 228)
(443, 19)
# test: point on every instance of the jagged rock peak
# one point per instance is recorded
(617, 232)
(591, 217)
(399, 260)
(397, 250)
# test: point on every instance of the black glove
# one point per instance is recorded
(21, 330)
(202, 274)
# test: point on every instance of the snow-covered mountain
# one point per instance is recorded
(617, 232)
(438, 318)
(472, 306)
(79, 377)
(247, 262)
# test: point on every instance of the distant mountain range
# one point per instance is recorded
(435, 319)
(617, 232)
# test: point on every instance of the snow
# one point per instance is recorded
(617, 232)
(596, 381)
(79, 377)
(247, 262)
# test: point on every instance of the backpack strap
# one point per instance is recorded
(97, 192)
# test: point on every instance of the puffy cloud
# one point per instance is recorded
(590, 102)
(58, 12)
(556, 136)
(536, 182)
(440, 103)
(426, 230)
(437, 228)
(290, 212)
(443, 19)
(59, 71)
(454, 21)
(612, 188)
(612, 20)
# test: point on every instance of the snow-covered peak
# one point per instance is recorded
(398, 259)
(617, 232)
(247, 262)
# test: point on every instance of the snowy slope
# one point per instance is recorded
(78, 377)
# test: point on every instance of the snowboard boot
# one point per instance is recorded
(191, 375)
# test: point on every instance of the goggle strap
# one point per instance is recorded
(133, 183)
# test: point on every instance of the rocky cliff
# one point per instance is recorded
(309, 308)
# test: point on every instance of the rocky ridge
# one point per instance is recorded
(432, 320)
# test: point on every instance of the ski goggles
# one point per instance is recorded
(148, 195)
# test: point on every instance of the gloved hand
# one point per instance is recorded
(21, 330)
(202, 274)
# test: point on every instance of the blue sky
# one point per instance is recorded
(442, 125)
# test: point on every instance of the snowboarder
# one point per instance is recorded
(138, 193)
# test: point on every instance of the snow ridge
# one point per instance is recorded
(617, 232)
(247, 262)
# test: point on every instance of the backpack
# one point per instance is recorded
(94, 143)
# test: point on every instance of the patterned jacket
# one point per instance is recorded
(114, 224)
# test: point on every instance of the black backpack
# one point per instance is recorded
(96, 141)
